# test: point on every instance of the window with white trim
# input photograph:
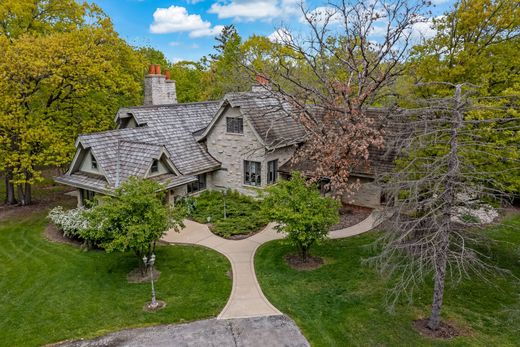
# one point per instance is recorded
(252, 173)
(235, 125)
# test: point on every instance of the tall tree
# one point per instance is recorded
(478, 42)
(435, 190)
(226, 73)
(57, 84)
(336, 69)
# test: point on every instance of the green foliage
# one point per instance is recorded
(242, 212)
(79, 294)
(345, 300)
(63, 71)
(302, 212)
(477, 42)
(134, 219)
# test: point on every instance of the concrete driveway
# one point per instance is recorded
(250, 332)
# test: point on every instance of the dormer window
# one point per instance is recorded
(235, 125)
(155, 166)
(93, 162)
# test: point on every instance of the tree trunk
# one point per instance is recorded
(25, 194)
(438, 290)
(452, 177)
(10, 197)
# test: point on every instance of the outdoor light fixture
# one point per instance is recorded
(149, 262)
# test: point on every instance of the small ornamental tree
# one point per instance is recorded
(134, 219)
(301, 212)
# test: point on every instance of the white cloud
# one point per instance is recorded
(194, 46)
(280, 36)
(423, 30)
(177, 19)
(207, 31)
(251, 10)
(321, 15)
(246, 10)
(174, 43)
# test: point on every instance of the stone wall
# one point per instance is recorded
(233, 149)
(368, 195)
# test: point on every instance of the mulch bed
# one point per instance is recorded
(350, 215)
(52, 234)
(160, 304)
(295, 261)
(135, 276)
(237, 236)
(445, 331)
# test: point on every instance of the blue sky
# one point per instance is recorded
(185, 29)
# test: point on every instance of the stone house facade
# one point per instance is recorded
(239, 142)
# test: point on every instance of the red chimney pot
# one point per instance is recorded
(151, 69)
(262, 79)
(168, 75)
(157, 69)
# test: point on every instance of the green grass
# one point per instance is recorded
(343, 302)
(242, 212)
(51, 292)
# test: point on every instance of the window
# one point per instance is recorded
(155, 166)
(198, 185)
(272, 171)
(235, 125)
(93, 162)
(252, 173)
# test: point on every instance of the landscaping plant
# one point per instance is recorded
(301, 211)
(134, 219)
(229, 213)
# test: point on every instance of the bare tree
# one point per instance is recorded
(330, 73)
(436, 190)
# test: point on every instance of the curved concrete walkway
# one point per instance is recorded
(246, 299)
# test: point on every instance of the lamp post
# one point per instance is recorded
(149, 262)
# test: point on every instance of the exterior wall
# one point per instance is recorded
(233, 149)
(86, 164)
(368, 195)
(162, 169)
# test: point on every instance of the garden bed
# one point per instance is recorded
(350, 215)
(230, 214)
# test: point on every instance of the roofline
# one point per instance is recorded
(83, 186)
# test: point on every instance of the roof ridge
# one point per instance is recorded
(172, 105)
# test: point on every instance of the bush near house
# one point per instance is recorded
(241, 212)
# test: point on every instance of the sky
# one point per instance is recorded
(186, 29)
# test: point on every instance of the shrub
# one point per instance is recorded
(242, 212)
(301, 212)
(69, 222)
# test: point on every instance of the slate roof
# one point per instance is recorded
(380, 160)
(83, 180)
(270, 117)
(191, 116)
(184, 151)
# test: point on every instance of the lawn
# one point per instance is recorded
(343, 302)
(241, 212)
(51, 292)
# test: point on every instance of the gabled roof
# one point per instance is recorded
(269, 117)
(187, 155)
(191, 116)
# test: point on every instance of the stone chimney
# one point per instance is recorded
(159, 89)
(262, 84)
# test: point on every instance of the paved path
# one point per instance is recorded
(247, 299)
(244, 332)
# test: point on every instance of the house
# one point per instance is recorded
(240, 142)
